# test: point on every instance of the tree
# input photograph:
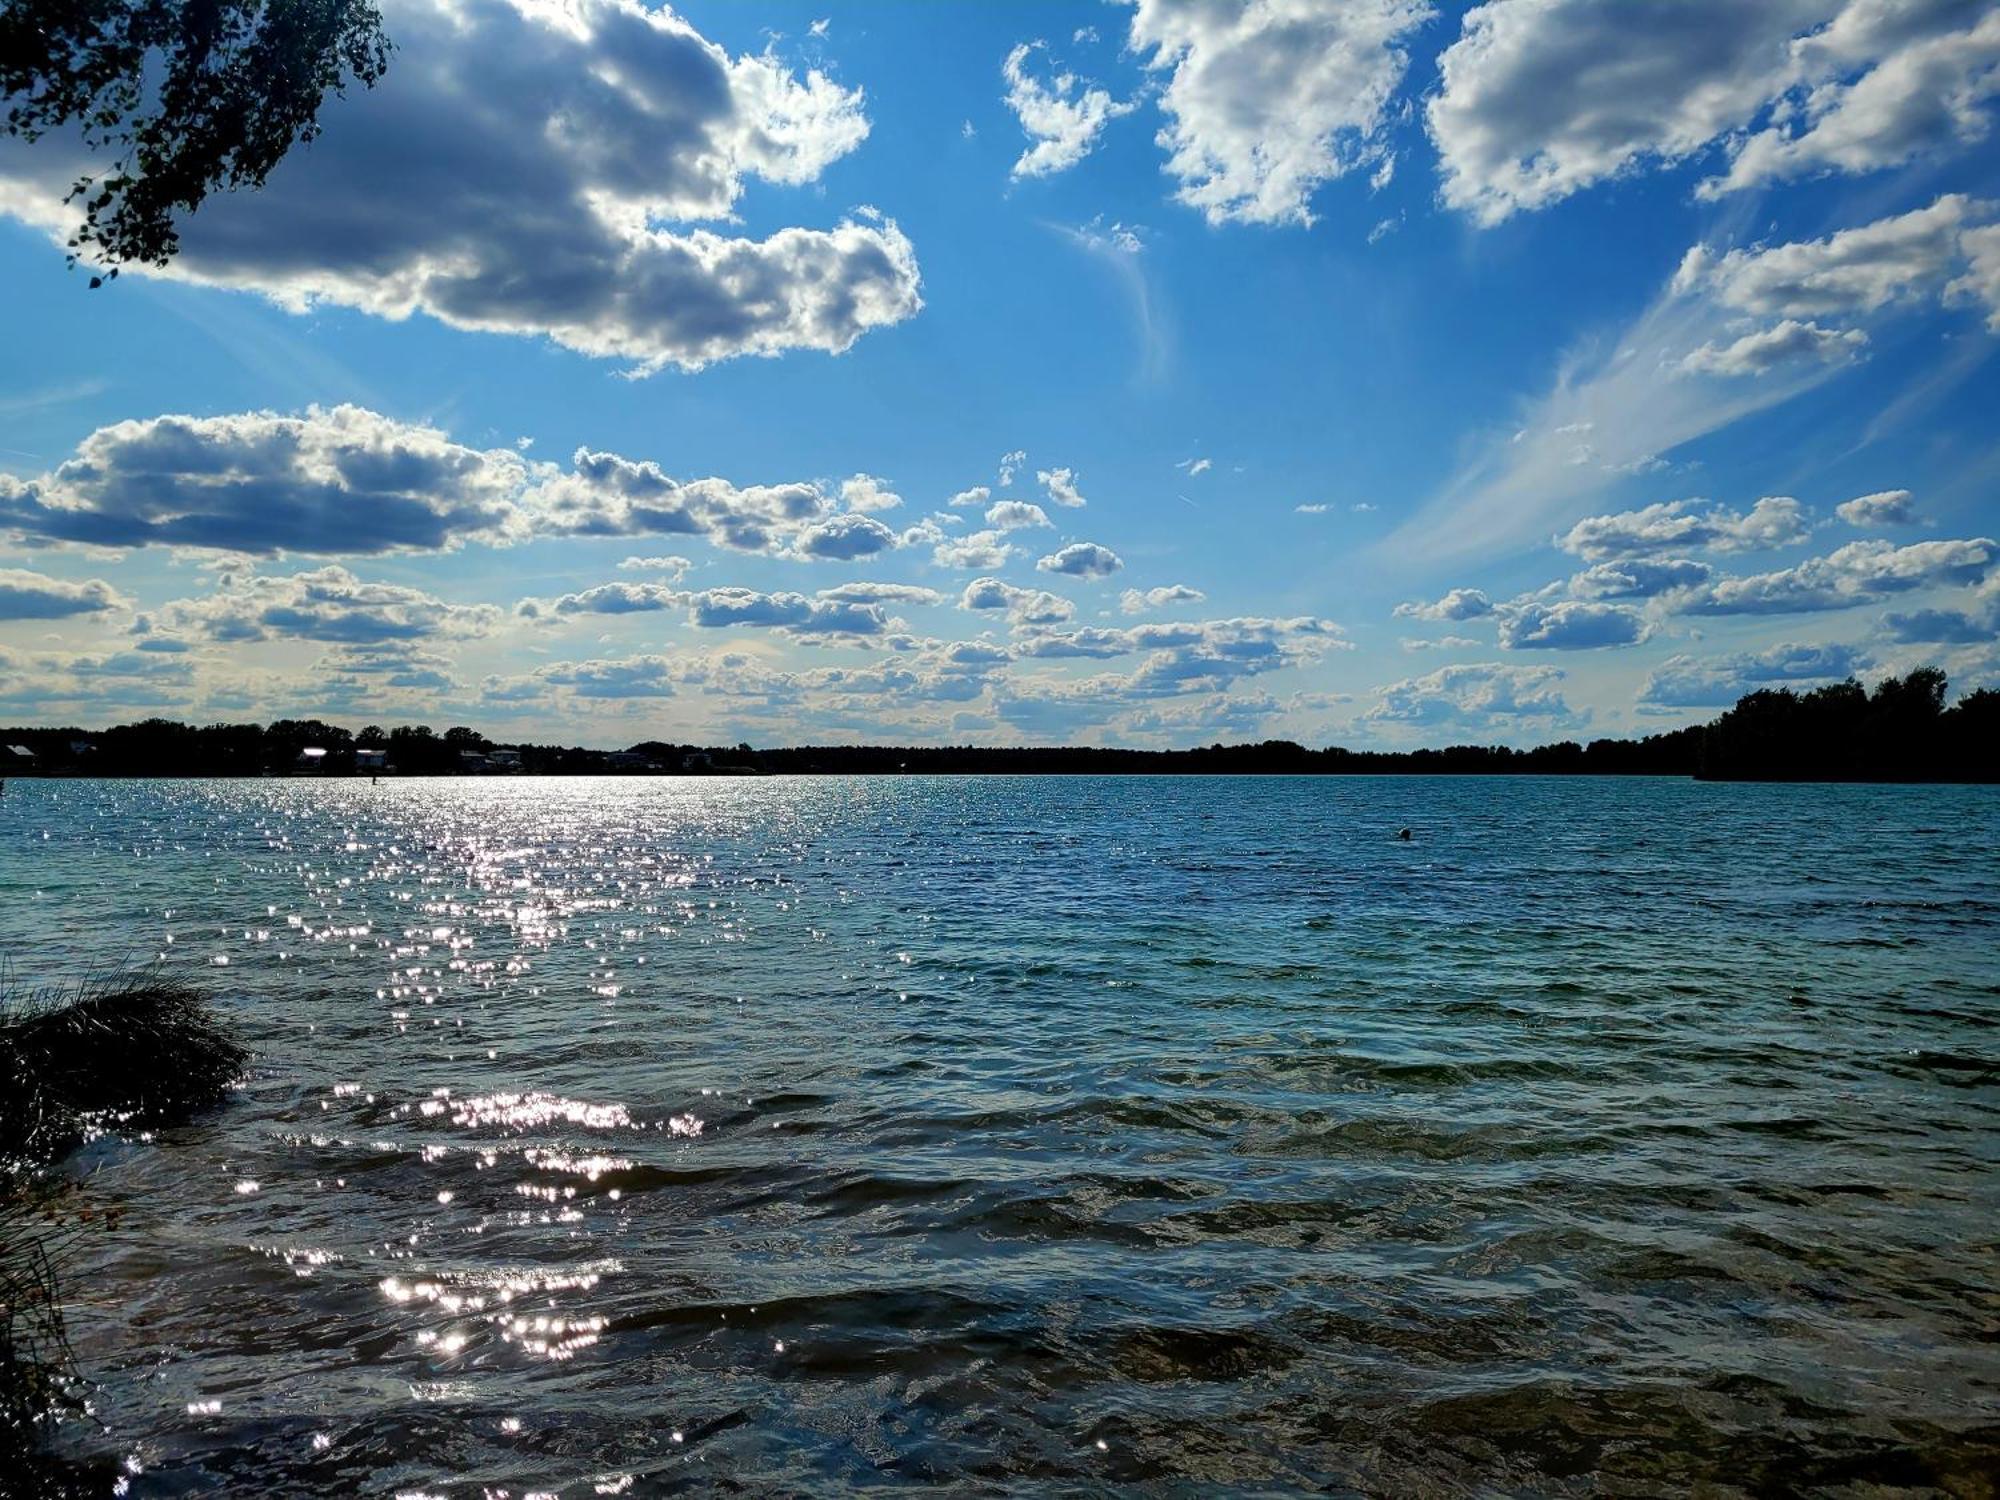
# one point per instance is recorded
(183, 96)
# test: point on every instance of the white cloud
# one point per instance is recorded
(674, 566)
(1063, 117)
(1858, 573)
(1312, 510)
(1569, 625)
(978, 495)
(605, 494)
(1883, 508)
(1639, 578)
(1846, 274)
(1010, 465)
(1782, 343)
(1016, 515)
(1542, 98)
(1923, 84)
(1266, 101)
(1082, 560)
(347, 481)
(1138, 601)
(1976, 622)
(1023, 606)
(977, 551)
(849, 613)
(511, 172)
(1675, 525)
(1060, 485)
(844, 538)
(1190, 656)
(865, 492)
(36, 596)
(341, 480)
(327, 604)
(1458, 604)
(1981, 281)
(1477, 696)
(1718, 681)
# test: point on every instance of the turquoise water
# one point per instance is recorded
(812, 1135)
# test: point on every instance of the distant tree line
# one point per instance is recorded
(1902, 731)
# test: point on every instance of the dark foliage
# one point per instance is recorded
(1900, 732)
(183, 97)
(144, 1055)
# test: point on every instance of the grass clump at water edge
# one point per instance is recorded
(109, 1057)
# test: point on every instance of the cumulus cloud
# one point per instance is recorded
(342, 480)
(1976, 623)
(978, 550)
(1459, 604)
(1481, 697)
(1783, 343)
(864, 492)
(1847, 274)
(365, 672)
(1138, 601)
(1639, 578)
(1063, 116)
(1023, 606)
(1194, 656)
(1924, 80)
(674, 566)
(327, 604)
(971, 499)
(36, 596)
(796, 615)
(853, 611)
(1060, 485)
(1569, 625)
(1858, 573)
(881, 593)
(1718, 681)
(511, 173)
(632, 677)
(1082, 560)
(1016, 515)
(1540, 100)
(844, 538)
(1981, 281)
(1675, 525)
(605, 494)
(1883, 508)
(1266, 102)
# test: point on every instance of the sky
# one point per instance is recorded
(1375, 373)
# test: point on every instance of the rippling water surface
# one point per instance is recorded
(808, 1135)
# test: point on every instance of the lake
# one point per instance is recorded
(635, 1136)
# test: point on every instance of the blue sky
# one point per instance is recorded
(1373, 373)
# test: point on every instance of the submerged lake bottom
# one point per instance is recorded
(1043, 1135)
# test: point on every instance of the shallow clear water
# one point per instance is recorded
(785, 1136)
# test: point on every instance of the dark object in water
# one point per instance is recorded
(146, 1054)
(1404, 834)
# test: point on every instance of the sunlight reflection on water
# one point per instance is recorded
(614, 1137)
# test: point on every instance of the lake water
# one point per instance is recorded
(814, 1135)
